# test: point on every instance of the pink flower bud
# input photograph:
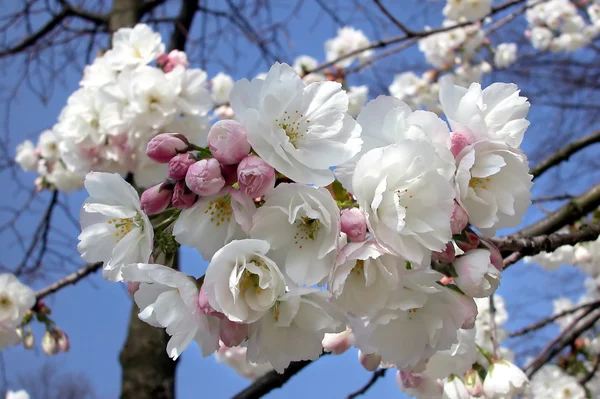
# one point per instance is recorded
(204, 177)
(473, 383)
(183, 197)
(168, 62)
(228, 142)
(28, 340)
(132, 287)
(179, 165)
(49, 344)
(255, 177)
(354, 224)
(369, 361)
(204, 305)
(165, 146)
(467, 241)
(229, 173)
(231, 333)
(63, 341)
(495, 255)
(337, 343)
(459, 219)
(446, 256)
(157, 198)
(458, 142)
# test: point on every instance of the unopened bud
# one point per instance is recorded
(446, 256)
(370, 361)
(49, 344)
(157, 198)
(337, 343)
(495, 255)
(179, 165)
(204, 177)
(231, 333)
(28, 340)
(255, 177)
(183, 197)
(165, 146)
(63, 341)
(228, 142)
(168, 62)
(468, 241)
(354, 224)
(459, 219)
(473, 383)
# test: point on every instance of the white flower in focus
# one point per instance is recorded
(363, 276)
(133, 47)
(215, 221)
(21, 394)
(26, 156)
(476, 275)
(495, 113)
(15, 300)
(541, 38)
(299, 130)
(114, 230)
(221, 87)
(454, 388)
(408, 203)
(168, 298)
(493, 185)
(236, 359)
(552, 382)
(193, 98)
(305, 242)
(293, 329)
(357, 98)
(506, 55)
(242, 282)
(456, 360)
(470, 10)
(347, 41)
(387, 120)
(504, 380)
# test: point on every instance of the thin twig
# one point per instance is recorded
(374, 377)
(68, 280)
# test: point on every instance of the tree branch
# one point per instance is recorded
(182, 24)
(68, 280)
(394, 20)
(565, 153)
(376, 375)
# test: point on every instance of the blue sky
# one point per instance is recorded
(95, 313)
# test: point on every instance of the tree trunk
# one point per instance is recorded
(147, 371)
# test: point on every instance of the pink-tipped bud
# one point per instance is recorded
(183, 197)
(408, 380)
(168, 62)
(28, 340)
(228, 142)
(63, 341)
(354, 224)
(132, 287)
(229, 173)
(165, 146)
(204, 177)
(473, 383)
(446, 256)
(495, 255)
(468, 241)
(157, 198)
(459, 219)
(370, 361)
(231, 333)
(458, 142)
(179, 165)
(255, 177)
(49, 344)
(337, 343)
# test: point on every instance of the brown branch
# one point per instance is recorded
(376, 375)
(183, 23)
(544, 322)
(565, 215)
(98, 19)
(565, 153)
(561, 197)
(590, 374)
(68, 280)
(546, 243)
(565, 338)
(394, 20)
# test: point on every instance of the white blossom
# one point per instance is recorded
(15, 300)
(357, 98)
(114, 228)
(299, 130)
(221, 86)
(132, 47)
(237, 359)
(26, 156)
(504, 380)
(476, 275)
(471, 10)
(305, 242)
(506, 55)
(348, 40)
(551, 381)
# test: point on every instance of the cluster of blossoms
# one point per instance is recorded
(21, 394)
(316, 223)
(559, 25)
